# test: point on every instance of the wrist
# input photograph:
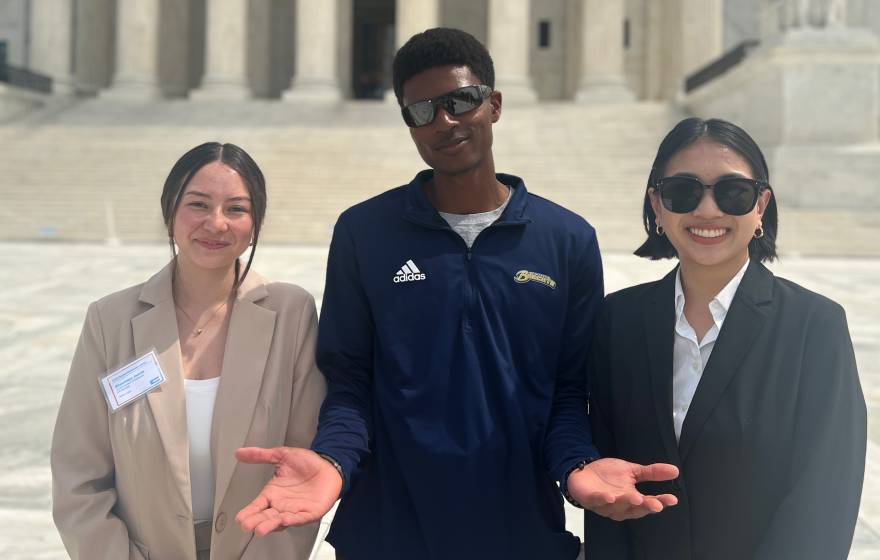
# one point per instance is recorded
(335, 464)
(577, 467)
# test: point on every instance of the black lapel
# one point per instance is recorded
(659, 320)
(746, 317)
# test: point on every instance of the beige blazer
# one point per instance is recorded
(120, 481)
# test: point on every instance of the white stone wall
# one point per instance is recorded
(548, 65)
(13, 30)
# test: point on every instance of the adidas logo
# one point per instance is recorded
(409, 272)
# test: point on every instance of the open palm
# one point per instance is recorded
(303, 488)
(608, 488)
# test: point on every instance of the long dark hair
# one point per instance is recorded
(236, 159)
(725, 133)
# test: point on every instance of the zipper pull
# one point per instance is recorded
(468, 255)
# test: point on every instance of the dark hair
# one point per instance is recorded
(728, 134)
(236, 159)
(441, 46)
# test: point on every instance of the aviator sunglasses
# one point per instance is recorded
(455, 102)
(735, 196)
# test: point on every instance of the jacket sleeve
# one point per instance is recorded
(309, 387)
(83, 470)
(817, 516)
(345, 356)
(568, 438)
(603, 538)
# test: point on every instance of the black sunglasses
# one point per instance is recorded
(735, 196)
(455, 102)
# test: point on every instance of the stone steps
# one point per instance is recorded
(94, 169)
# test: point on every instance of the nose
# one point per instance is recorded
(215, 221)
(444, 120)
(708, 208)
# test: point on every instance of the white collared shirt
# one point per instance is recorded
(689, 357)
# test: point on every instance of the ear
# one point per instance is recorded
(495, 104)
(763, 201)
(655, 204)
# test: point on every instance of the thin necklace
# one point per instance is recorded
(196, 329)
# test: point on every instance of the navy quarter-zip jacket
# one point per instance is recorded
(456, 377)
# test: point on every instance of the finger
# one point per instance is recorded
(667, 499)
(651, 505)
(597, 500)
(656, 472)
(251, 523)
(255, 455)
(267, 526)
(251, 510)
(299, 518)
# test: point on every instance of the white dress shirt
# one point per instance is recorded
(200, 397)
(689, 357)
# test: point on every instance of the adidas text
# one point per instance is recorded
(409, 272)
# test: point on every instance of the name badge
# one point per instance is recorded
(132, 381)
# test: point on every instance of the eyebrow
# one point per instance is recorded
(733, 175)
(200, 194)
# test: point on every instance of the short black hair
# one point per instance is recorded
(441, 46)
(236, 159)
(727, 134)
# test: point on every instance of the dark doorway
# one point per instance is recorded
(372, 48)
(2, 61)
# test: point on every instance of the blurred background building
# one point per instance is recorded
(99, 97)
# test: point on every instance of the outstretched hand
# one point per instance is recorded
(607, 487)
(303, 489)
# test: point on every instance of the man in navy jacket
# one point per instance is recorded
(456, 319)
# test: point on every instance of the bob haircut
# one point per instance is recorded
(441, 46)
(727, 134)
(236, 159)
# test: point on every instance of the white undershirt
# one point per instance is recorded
(689, 357)
(469, 226)
(200, 397)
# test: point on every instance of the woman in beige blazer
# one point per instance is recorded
(157, 479)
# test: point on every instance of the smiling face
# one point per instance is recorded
(452, 145)
(707, 237)
(213, 223)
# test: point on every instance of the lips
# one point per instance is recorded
(707, 232)
(211, 244)
(708, 235)
(450, 142)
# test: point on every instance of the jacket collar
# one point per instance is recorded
(249, 338)
(748, 313)
(659, 324)
(420, 211)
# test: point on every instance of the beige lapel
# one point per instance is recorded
(248, 341)
(157, 328)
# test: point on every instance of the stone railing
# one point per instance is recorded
(720, 65)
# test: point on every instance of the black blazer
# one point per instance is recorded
(772, 450)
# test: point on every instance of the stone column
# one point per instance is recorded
(51, 23)
(603, 79)
(316, 77)
(414, 16)
(702, 33)
(411, 17)
(226, 51)
(509, 43)
(137, 50)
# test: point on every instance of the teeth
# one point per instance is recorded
(707, 232)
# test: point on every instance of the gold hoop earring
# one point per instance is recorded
(759, 232)
(659, 230)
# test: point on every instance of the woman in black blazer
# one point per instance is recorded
(745, 381)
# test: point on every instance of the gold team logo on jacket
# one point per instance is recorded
(524, 276)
